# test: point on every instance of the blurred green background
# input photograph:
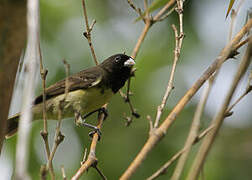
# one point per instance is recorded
(206, 30)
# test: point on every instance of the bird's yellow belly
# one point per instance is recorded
(81, 101)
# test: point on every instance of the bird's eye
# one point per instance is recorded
(117, 59)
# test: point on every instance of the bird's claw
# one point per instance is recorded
(104, 111)
(96, 130)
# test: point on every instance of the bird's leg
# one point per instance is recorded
(80, 121)
(100, 110)
(104, 111)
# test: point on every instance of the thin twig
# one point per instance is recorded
(149, 21)
(180, 10)
(84, 156)
(233, 16)
(170, 83)
(218, 120)
(242, 43)
(59, 137)
(148, 117)
(87, 34)
(44, 132)
(63, 172)
(167, 14)
(140, 39)
(163, 169)
(163, 10)
(247, 91)
(160, 132)
(132, 109)
(43, 74)
(138, 10)
(233, 19)
(193, 132)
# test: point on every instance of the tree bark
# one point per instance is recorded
(12, 42)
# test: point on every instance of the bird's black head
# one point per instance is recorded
(118, 68)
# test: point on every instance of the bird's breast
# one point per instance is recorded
(82, 101)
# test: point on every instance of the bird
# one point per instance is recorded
(88, 91)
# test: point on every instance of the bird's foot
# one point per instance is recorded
(98, 131)
(104, 111)
(80, 121)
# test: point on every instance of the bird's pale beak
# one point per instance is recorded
(129, 63)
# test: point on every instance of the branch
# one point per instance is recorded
(217, 121)
(44, 132)
(160, 132)
(138, 10)
(170, 83)
(63, 173)
(163, 169)
(180, 10)
(193, 132)
(247, 91)
(29, 85)
(92, 160)
(163, 10)
(233, 19)
(87, 34)
(149, 21)
(167, 14)
(43, 74)
(59, 137)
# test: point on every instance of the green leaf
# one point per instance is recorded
(231, 3)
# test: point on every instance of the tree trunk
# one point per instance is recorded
(12, 42)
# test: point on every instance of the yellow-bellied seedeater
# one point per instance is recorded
(89, 90)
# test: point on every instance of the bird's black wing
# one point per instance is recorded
(82, 80)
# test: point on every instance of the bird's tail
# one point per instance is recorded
(12, 126)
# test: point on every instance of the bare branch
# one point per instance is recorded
(138, 10)
(163, 10)
(140, 39)
(170, 83)
(43, 74)
(207, 143)
(167, 14)
(151, 124)
(91, 160)
(163, 169)
(149, 21)
(59, 137)
(228, 111)
(32, 67)
(160, 132)
(87, 34)
(193, 132)
(233, 19)
(84, 156)
(63, 172)
(44, 132)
